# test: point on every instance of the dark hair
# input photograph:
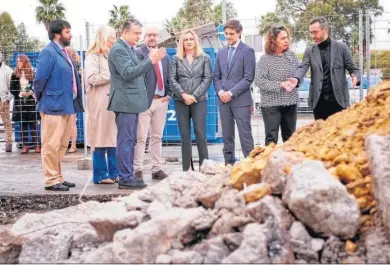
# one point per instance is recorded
(131, 22)
(322, 21)
(271, 36)
(56, 27)
(233, 24)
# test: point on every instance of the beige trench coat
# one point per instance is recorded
(102, 130)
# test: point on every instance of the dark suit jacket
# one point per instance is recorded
(194, 79)
(53, 84)
(127, 84)
(151, 77)
(340, 60)
(239, 77)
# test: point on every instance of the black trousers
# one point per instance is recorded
(197, 112)
(24, 127)
(284, 117)
(324, 109)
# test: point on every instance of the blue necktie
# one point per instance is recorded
(230, 56)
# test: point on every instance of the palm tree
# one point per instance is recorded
(48, 11)
(118, 16)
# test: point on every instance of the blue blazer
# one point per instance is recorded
(239, 77)
(53, 84)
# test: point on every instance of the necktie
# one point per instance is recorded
(74, 76)
(159, 76)
(230, 55)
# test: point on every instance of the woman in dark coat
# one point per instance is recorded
(25, 108)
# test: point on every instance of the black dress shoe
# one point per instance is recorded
(57, 187)
(69, 184)
(136, 184)
(159, 175)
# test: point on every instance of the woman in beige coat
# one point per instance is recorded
(101, 122)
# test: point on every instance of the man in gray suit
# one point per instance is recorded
(328, 59)
(155, 116)
(234, 73)
(128, 97)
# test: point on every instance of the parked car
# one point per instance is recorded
(354, 93)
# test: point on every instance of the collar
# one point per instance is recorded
(128, 44)
(325, 43)
(235, 44)
(59, 45)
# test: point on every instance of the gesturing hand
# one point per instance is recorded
(156, 55)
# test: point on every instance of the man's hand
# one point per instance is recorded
(225, 96)
(156, 55)
(354, 81)
(293, 82)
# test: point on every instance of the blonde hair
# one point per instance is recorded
(180, 49)
(102, 35)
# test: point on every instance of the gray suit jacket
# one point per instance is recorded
(340, 60)
(127, 85)
(150, 76)
(194, 79)
(239, 77)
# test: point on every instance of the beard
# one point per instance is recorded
(64, 42)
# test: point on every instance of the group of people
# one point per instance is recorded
(129, 88)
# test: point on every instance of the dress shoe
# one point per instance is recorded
(69, 184)
(159, 175)
(136, 184)
(24, 150)
(57, 187)
(8, 148)
(138, 174)
(37, 149)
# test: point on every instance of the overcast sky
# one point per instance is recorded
(153, 12)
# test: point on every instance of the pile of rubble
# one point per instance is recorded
(288, 204)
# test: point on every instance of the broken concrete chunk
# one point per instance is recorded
(278, 168)
(320, 201)
(268, 207)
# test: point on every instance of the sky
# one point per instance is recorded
(154, 12)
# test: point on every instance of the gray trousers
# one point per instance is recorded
(197, 112)
(284, 117)
(242, 116)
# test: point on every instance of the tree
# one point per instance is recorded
(341, 14)
(231, 12)
(8, 34)
(270, 19)
(118, 16)
(196, 13)
(48, 11)
(24, 43)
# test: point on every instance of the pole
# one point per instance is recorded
(361, 51)
(84, 98)
(87, 33)
(368, 55)
(223, 11)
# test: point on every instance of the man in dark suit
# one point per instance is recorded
(233, 75)
(128, 97)
(155, 116)
(328, 59)
(58, 91)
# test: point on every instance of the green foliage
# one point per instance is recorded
(195, 13)
(118, 16)
(48, 11)
(342, 16)
(8, 34)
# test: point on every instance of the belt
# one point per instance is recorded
(157, 96)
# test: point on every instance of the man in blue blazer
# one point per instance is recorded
(233, 75)
(58, 91)
(155, 116)
(128, 97)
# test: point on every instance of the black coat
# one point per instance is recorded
(24, 109)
